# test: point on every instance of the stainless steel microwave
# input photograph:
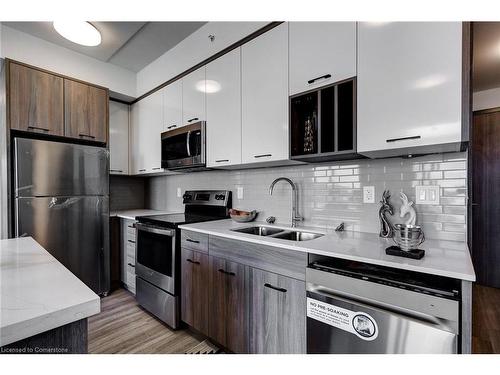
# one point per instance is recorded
(184, 147)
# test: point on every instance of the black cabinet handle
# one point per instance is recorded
(275, 288)
(263, 156)
(131, 241)
(193, 119)
(192, 261)
(402, 139)
(193, 241)
(38, 128)
(131, 265)
(116, 170)
(86, 135)
(155, 169)
(226, 273)
(326, 76)
(222, 160)
(142, 170)
(171, 126)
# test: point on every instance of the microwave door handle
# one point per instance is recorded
(188, 138)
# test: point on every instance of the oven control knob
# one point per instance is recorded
(187, 197)
(219, 197)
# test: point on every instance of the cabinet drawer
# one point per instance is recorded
(130, 229)
(283, 262)
(194, 241)
(130, 250)
(131, 282)
(131, 264)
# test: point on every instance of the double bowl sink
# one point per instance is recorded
(284, 234)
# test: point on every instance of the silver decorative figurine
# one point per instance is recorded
(386, 230)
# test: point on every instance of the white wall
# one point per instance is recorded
(486, 99)
(192, 50)
(31, 50)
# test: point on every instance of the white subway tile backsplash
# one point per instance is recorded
(331, 193)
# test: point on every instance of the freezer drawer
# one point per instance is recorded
(44, 168)
(343, 326)
(74, 230)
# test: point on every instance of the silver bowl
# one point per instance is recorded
(242, 216)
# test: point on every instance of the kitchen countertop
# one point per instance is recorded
(37, 293)
(132, 214)
(444, 258)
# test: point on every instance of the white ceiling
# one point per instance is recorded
(131, 45)
(486, 56)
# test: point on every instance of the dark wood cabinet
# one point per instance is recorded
(228, 321)
(35, 100)
(277, 313)
(86, 111)
(247, 298)
(194, 289)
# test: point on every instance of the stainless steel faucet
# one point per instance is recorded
(295, 197)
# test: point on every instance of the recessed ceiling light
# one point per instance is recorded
(81, 32)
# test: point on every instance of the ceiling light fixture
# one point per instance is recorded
(79, 32)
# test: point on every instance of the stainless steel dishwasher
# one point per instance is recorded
(354, 307)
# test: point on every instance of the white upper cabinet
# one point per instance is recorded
(172, 107)
(223, 96)
(147, 126)
(264, 88)
(409, 87)
(193, 97)
(137, 155)
(118, 137)
(321, 53)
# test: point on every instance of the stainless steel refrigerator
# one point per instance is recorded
(62, 201)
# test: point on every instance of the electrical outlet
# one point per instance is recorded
(427, 194)
(240, 192)
(179, 192)
(368, 194)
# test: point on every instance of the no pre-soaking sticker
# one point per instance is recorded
(358, 323)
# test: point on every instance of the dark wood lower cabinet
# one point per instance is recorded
(228, 321)
(71, 338)
(243, 308)
(277, 313)
(195, 288)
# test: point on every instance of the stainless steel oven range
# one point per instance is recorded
(158, 250)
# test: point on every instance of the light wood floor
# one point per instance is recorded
(485, 320)
(124, 327)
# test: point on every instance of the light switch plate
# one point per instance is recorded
(240, 192)
(368, 194)
(427, 194)
(179, 192)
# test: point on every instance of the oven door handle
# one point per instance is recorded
(147, 228)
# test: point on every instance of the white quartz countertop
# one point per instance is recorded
(37, 293)
(132, 214)
(444, 258)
